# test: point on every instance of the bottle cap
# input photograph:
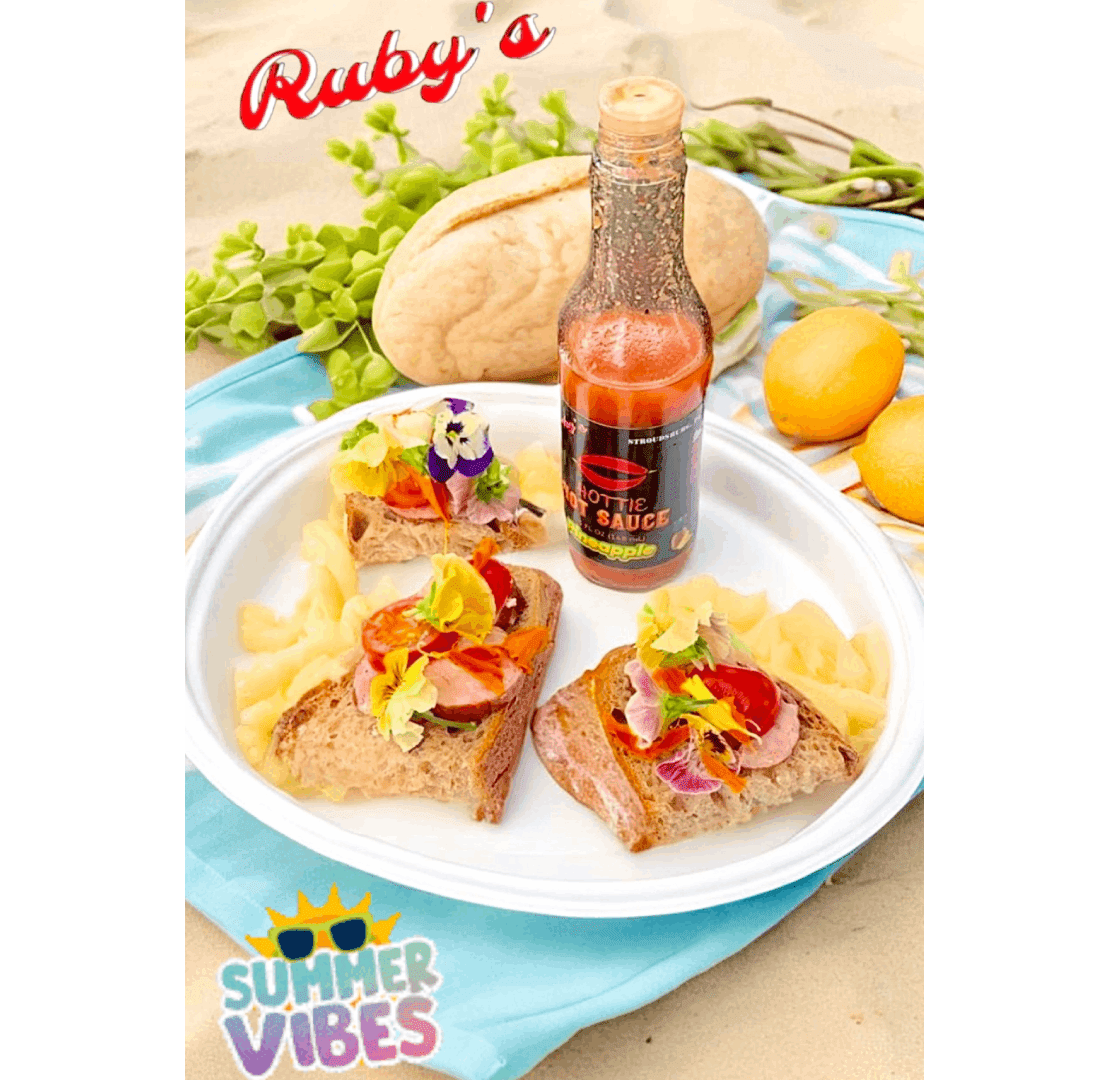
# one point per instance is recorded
(640, 105)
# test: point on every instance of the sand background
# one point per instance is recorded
(835, 990)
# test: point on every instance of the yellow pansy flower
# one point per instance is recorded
(458, 599)
(399, 692)
(368, 466)
(717, 716)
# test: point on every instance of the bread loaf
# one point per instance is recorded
(474, 289)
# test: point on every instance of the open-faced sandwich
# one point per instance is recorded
(426, 480)
(439, 700)
(685, 732)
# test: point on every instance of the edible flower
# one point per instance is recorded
(522, 645)
(685, 773)
(710, 714)
(409, 429)
(397, 693)
(642, 710)
(682, 633)
(458, 599)
(364, 466)
(460, 441)
(668, 638)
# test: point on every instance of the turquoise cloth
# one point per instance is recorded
(515, 985)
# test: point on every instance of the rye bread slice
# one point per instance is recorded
(375, 534)
(326, 740)
(626, 792)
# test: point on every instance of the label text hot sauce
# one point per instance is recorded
(635, 346)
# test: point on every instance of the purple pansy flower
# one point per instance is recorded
(460, 441)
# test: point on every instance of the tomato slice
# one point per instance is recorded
(390, 628)
(500, 581)
(753, 694)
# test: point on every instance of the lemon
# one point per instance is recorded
(891, 459)
(828, 376)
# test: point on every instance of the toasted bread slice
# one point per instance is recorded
(625, 792)
(327, 741)
(375, 534)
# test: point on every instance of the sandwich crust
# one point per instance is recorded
(326, 740)
(375, 534)
(625, 791)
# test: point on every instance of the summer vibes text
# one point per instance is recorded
(394, 69)
(333, 1010)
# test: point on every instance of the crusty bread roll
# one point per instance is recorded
(474, 289)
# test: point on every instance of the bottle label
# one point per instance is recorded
(631, 495)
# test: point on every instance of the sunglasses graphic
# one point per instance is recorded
(347, 933)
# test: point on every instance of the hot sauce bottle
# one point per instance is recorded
(635, 348)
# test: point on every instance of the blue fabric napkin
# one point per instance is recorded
(516, 986)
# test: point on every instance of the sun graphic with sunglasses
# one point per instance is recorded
(330, 926)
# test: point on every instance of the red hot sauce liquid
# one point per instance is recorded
(634, 372)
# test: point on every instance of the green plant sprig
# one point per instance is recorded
(874, 179)
(323, 283)
(903, 308)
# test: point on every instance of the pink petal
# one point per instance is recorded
(684, 772)
(642, 710)
(465, 505)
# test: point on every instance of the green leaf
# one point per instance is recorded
(356, 435)
(335, 236)
(365, 285)
(341, 373)
(303, 307)
(247, 230)
(494, 482)
(296, 234)
(338, 149)
(327, 277)
(361, 261)
(249, 318)
(389, 239)
(361, 156)
(251, 288)
(416, 457)
(273, 308)
(293, 278)
(366, 241)
(306, 253)
(378, 375)
(326, 335)
(323, 409)
(364, 185)
(381, 117)
(344, 306)
(672, 706)
(699, 652)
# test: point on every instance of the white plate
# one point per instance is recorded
(766, 523)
